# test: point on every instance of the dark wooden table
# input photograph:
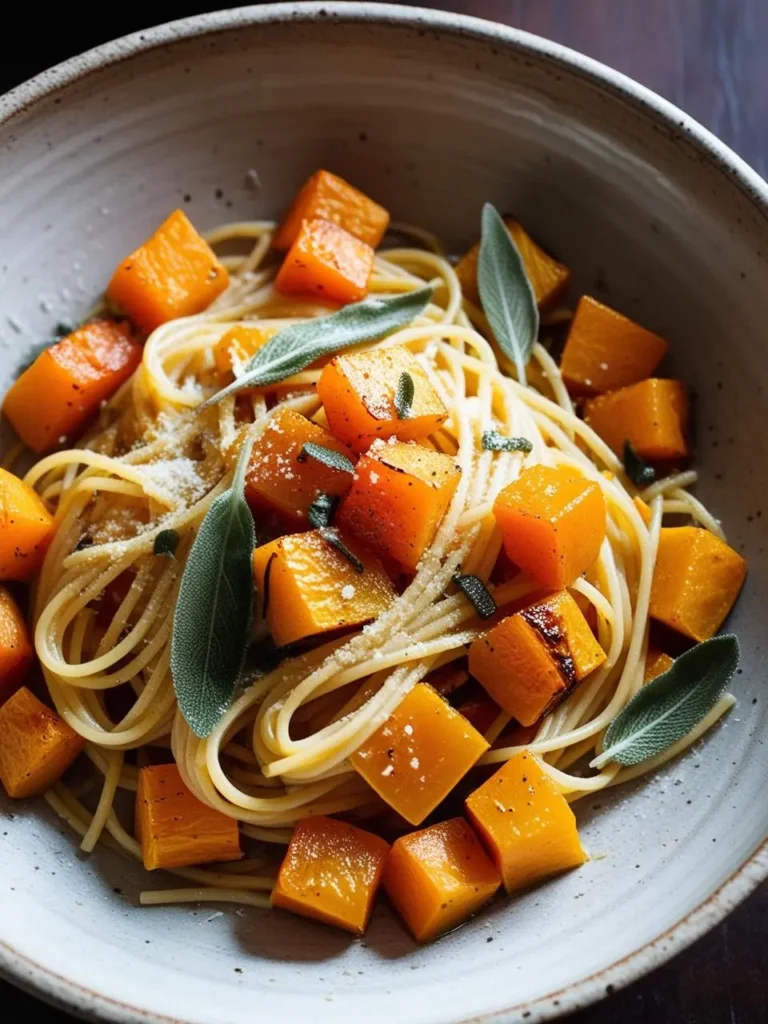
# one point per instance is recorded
(708, 57)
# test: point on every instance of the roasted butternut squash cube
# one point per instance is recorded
(36, 746)
(54, 398)
(331, 872)
(439, 877)
(553, 523)
(312, 588)
(177, 830)
(174, 273)
(326, 196)
(652, 415)
(418, 755)
(605, 350)
(548, 277)
(278, 478)
(532, 660)
(358, 393)
(398, 498)
(526, 824)
(238, 344)
(26, 529)
(16, 650)
(696, 581)
(325, 262)
(656, 664)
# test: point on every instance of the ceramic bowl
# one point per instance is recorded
(433, 114)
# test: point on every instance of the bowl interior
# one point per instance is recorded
(432, 121)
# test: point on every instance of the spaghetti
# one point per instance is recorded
(281, 752)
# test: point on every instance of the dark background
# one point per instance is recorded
(708, 57)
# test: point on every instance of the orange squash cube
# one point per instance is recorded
(325, 196)
(238, 345)
(606, 350)
(526, 824)
(26, 529)
(553, 523)
(531, 660)
(16, 650)
(696, 581)
(175, 829)
(36, 746)
(55, 397)
(174, 273)
(439, 877)
(656, 664)
(312, 588)
(358, 393)
(418, 755)
(398, 497)
(326, 263)
(652, 415)
(548, 277)
(331, 872)
(276, 478)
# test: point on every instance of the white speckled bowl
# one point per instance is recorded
(433, 114)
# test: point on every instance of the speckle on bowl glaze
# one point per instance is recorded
(433, 114)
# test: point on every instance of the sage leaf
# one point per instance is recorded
(404, 395)
(331, 536)
(328, 456)
(322, 510)
(506, 294)
(166, 543)
(212, 620)
(493, 441)
(637, 469)
(666, 709)
(294, 348)
(477, 592)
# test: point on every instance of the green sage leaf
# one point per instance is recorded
(331, 536)
(404, 395)
(506, 293)
(322, 510)
(666, 710)
(293, 349)
(493, 441)
(166, 543)
(212, 620)
(477, 592)
(637, 469)
(328, 456)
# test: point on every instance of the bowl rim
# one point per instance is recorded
(59, 990)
